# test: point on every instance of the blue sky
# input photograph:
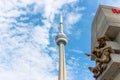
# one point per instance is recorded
(27, 38)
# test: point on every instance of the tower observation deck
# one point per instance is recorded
(61, 41)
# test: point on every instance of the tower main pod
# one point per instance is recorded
(107, 22)
(61, 41)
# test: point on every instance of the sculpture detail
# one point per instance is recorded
(101, 54)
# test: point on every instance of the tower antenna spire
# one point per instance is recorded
(61, 19)
(61, 23)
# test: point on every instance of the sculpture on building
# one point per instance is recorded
(101, 54)
(95, 53)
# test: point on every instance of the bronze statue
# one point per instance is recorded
(106, 51)
(101, 55)
(95, 53)
(95, 71)
(102, 41)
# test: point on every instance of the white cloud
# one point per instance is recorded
(72, 18)
(53, 49)
(40, 35)
(77, 51)
(24, 45)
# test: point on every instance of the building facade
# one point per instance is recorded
(106, 29)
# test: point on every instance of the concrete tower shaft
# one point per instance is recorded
(61, 41)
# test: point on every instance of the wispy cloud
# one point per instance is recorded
(25, 41)
(72, 18)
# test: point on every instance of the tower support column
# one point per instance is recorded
(62, 63)
(61, 40)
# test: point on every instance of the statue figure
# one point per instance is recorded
(106, 51)
(96, 70)
(95, 53)
(102, 41)
(101, 55)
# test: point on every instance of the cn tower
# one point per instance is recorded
(61, 41)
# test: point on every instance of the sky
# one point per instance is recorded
(27, 38)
